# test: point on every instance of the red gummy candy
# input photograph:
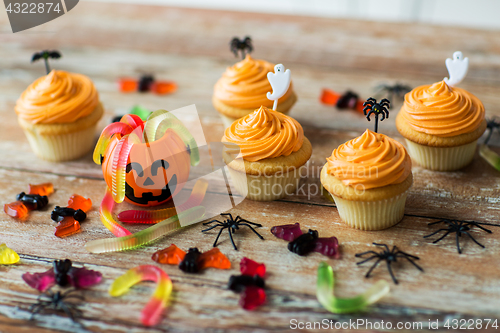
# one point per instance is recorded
(252, 297)
(16, 209)
(127, 85)
(69, 226)
(250, 267)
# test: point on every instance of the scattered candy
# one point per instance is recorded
(35, 199)
(152, 312)
(459, 228)
(7, 255)
(324, 293)
(250, 283)
(146, 83)
(303, 244)
(193, 261)
(231, 225)
(69, 217)
(389, 256)
(349, 100)
(63, 274)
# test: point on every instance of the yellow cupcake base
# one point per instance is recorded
(265, 187)
(442, 158)
(371, 215)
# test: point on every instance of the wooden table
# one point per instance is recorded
(106, 41)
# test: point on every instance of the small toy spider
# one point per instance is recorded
(231, 225)
(459, 228)
(389, 256)
(492, 124)
(57, 301)
(397, 90)
(373, 107)
(241, 45)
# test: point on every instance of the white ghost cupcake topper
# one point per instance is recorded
(280, 82)
(457, 68)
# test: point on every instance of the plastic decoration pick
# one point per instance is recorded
(193, 261)
(46, 55)
(325, 293)
(303, 244)
(69, 217)
(231, 225)
(63, 274)
(7, 255)
(389, 256)
(241, 45)
(146, 83)
(34, 200)
(280, 82)
(459, 228)
(152, 313)
(484, 151)
(457, 69)
(372, 107)
(349, 100)
(250, 284)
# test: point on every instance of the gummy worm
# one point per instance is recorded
(155, 216)
(152, 312)
(324, 293)
(118, 168)
(490, 156)
(161, 120)
(148, 235)
(110, 130)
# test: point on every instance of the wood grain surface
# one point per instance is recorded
(190, 47)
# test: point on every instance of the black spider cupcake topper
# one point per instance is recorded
(241, 45)
(459, 228)
(372, 107)
(46, 55)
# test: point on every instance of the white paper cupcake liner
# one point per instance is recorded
(265, 188)
(371, 215)
(442, 158)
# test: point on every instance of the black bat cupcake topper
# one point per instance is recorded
(373, 107)
(241, 45)
(492, 124)
(46, 55)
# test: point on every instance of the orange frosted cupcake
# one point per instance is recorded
(369, 178)
(441, 125)
(58, 113)
(272, 149)
(243, 88)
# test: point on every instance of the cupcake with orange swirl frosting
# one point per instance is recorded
(243, 88)
(441, 125)
(271, 148)
(58, 113)
(369, 177)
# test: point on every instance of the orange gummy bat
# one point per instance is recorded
(69, 225)
(36, 199)
(192, 261)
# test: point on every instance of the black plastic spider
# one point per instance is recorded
(397, 90)
(492, 124)
(373, 107)
(57, 301)
(241, 45)
(389, 256)
(459, 228)
(231, 225)
(46, 55)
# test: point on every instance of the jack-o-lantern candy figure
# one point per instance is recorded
(146, 163)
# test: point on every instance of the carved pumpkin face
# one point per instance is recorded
(155, 171)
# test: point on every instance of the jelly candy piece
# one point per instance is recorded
(250, 267)
(78, 202)
(172, 255)
(215, 259)
(329, 97)
(16, 209)
(164, 87)
(328, 247)
(67, 227)
(7, 255)
(140, 111)
(41, 189)
(287, 232)
(127, 85)
(252, 297)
